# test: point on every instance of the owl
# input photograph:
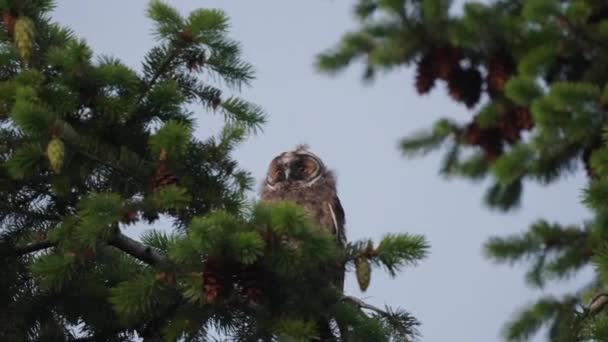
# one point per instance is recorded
(301, 177)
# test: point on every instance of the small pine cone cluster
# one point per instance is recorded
(425, 74)
(251, 281)
(8, 20)
(437, 63)
(464, 84)
(163, 176)
(129, 216)
(500, 68)
(214, 281)
(489, 139)
(511, 121)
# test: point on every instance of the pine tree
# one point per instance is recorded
(89, 146)
(538, 67)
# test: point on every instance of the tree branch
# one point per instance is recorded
(138, 250)
(34, 247)
(597, 304)
(363, 305)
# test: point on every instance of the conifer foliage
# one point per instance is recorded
(89, 147)
(535, 75)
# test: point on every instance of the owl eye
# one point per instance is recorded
(275, 173)
(309, 166)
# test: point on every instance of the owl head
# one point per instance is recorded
(296, 168)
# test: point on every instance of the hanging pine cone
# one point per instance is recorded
(363, 271)
(465, 85)
(129, 216)
(472, 134)
(446, 60)
(163, 176)
(500, 68)
(165, 278)
(213, 281)
(425, 74)
(472, 82)
(492, 145)
(251, 282)
(508, 128)
(55, 152)
(24, 31)
(489, 139)
(8, 20)
(523, 118)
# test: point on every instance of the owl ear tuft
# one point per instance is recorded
(302, 146)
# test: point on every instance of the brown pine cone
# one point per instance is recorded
(523, 118)
(500, 68)
(425, 74)
(446, 60)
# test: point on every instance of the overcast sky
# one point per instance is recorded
(455, 292)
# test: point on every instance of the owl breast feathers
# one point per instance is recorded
(301, 177)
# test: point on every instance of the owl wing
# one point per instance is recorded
(338, 218)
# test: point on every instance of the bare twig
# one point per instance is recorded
(363, 305)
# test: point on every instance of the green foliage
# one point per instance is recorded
(121, 149)
(522, 90)
(136, 298)
(424, 142)
(395, 251)
(53, 270)
(542, 100)
(168, 21)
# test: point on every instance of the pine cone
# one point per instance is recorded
(523, 118)
(129, 216)
(55, 152)
(472, 84)
(472, 134)
(492, 145)
(163, 176)
(251, 281)
(446, 60)
(213, 281)
(465, 85)
(500, 68)
(8, 19)
(508, 128)
(425, 74)
(363, 271)
(24, 31)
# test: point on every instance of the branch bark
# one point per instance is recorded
(31, 248)
(132, 247)
(138, 250)
(597, 304)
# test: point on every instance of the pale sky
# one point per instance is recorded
(455, 292)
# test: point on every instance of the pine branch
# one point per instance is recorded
(138, 250)
(159, 72)
(31, 248)
(596, 305)
(400, 321)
